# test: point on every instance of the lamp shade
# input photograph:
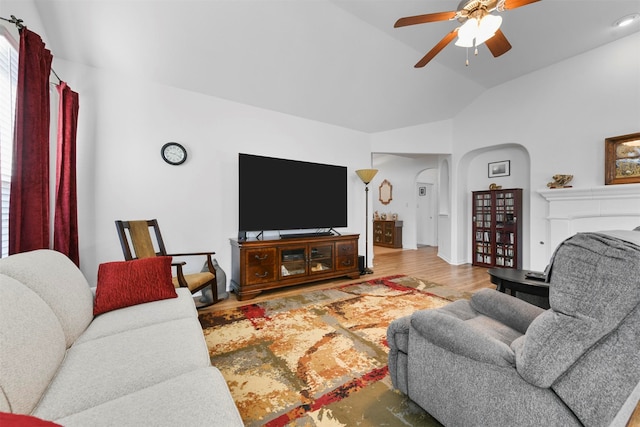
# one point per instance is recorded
(487, 28)
(467, 33)
(366, 175)
(481, 30)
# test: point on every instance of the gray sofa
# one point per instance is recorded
(146, 364)
(495, 360)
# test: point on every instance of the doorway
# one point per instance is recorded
(426, 208)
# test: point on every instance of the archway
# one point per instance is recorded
(473, 175)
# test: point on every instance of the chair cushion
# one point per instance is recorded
(126, 283)
(194, 281)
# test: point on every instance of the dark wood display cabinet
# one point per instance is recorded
(258, 265)
(387, 233)
(497, 228)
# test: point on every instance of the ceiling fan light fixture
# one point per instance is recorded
(467, 33)
(487, 28)
(627, 20)
(481, 30)
(464, 42)
(478, 26)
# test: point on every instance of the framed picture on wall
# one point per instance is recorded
(622, 159)
(422, 191)
(501, 168)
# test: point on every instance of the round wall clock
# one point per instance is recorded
(173, 153)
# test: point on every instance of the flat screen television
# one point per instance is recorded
(281, 194)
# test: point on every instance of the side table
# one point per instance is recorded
(533, 291)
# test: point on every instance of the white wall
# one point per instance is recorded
(121, 175)
(431, 138)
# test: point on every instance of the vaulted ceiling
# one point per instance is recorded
(334, 61)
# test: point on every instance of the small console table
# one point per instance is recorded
(387, 233)
(258, 265)
(536, 291)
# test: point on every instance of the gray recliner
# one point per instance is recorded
(495, 360)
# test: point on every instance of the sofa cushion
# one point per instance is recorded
(207, 403)
(104, 369)
(608, 268)
(141, 315)
(32, 346)
(57, 280)
(126, 283)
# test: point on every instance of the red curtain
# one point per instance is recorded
(29, 212)
(65, 223)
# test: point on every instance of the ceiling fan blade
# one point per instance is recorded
(512, 4)
(498, 44)
(422, 19)
(436, 49)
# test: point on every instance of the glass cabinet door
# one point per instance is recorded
(320, 258)
(378, 231)
(388, 232)
(482, 207)
(293, 262)
(505, 229)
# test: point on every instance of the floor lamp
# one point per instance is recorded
(366, 175)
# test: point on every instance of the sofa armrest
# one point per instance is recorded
(457, 336)
(506, 309)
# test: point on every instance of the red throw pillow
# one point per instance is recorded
(19, 420)
(126, 283)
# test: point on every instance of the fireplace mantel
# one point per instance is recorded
(607, 207)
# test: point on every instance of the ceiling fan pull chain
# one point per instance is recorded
(467, 62)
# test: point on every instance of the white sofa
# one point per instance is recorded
(146, 364)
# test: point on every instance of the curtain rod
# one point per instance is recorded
(19, 25)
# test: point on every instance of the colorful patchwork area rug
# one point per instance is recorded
(320, 358)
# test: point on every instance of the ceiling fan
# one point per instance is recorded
(479, 26)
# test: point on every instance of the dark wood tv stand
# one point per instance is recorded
(258, 265)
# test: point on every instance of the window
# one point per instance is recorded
(8, 85)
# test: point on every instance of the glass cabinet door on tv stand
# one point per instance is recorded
(320, 258)
(293, 261)
(307, 259)
(497, 228)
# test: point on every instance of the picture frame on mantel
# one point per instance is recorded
(501, 168)
(622, 159)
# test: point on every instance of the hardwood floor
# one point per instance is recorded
(422, 263)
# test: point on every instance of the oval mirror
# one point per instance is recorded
(385, 192)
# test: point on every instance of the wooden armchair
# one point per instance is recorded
(138, 242)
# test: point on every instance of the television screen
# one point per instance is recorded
(281, 194)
